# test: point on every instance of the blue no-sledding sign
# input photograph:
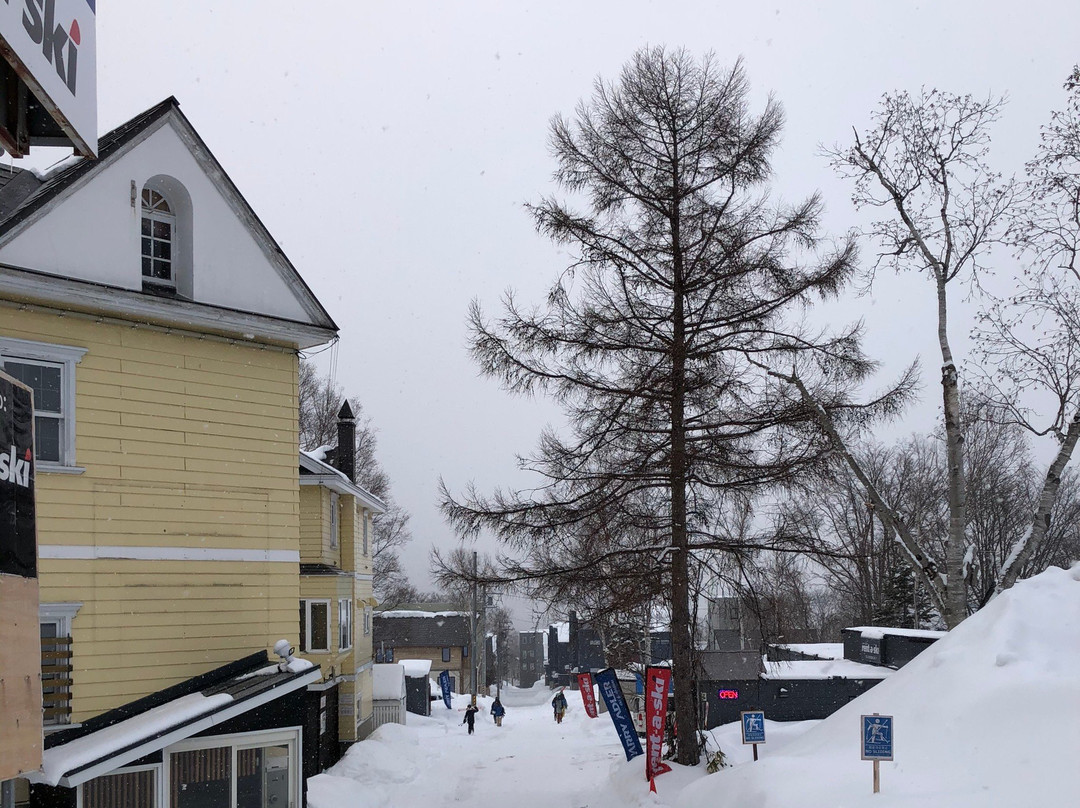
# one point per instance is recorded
(753, 726)
(877, 737)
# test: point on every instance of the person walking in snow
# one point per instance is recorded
(559, 705)
(470, 717)
(497, 712)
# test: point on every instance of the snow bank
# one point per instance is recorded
(987, 717)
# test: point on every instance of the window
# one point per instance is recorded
(49, 370)
(365, 518)
(446, 655)
(136, 787)
(315, 626)
(345, 625)
(54, 621)
(367, 623)
(335, 510)
(158, 234)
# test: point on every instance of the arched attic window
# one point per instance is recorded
(165, 237)
(158, 231)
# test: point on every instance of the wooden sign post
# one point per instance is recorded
(753, 728)
(877, 742)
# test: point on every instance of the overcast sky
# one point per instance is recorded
(390, 147)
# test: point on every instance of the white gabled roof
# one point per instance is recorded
(69, 236)
(322, 473)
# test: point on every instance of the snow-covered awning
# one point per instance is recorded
(123, 735)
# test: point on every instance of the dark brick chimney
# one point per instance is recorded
(346, 442)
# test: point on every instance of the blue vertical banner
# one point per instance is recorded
(613, 697)
(444, 683)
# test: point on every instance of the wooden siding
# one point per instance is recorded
(186, 443)
(315, 541)
(458, 665)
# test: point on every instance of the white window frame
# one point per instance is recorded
(66, 357)
(159, 791)
(365, 517)
(335, 520)
(345, 624)
(367, 621)
(172, 220)
(307, 625)
(242, 740)
(61, 614)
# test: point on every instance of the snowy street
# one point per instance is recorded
(529, 762)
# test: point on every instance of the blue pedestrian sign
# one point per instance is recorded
(877, 737)
(753, 726)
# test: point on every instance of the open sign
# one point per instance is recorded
(728, 694)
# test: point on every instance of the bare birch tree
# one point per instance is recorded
(923, 165)
(1030, 341)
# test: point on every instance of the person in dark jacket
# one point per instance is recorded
(470, 717)
(559, 705)
(497, 712)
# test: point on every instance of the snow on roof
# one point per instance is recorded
(877, 632)
(418, 613)
(824, 669)
(56, 168)
(318, 454)
(416, 668)
(822, 650)
(60, 760)
(387, 681)
(294, 665)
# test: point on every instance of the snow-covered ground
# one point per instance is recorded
(988, 717)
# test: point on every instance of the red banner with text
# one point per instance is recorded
(657, 682)
(585, 685)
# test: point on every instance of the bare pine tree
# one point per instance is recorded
(686, 284)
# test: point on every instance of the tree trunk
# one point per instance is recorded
(1040, 523)
(895, 527)
(682, 650)
(956, 546)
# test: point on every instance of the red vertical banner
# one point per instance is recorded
(585, 683)
(657, 682)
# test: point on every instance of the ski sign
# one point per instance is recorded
(753, 726)
(877, 737)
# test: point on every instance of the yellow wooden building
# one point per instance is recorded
(159, 324)
(336, 580)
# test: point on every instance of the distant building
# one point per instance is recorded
(440, 637)
(531, 657)
(571, 648)
(800, 681)
(725, 632)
